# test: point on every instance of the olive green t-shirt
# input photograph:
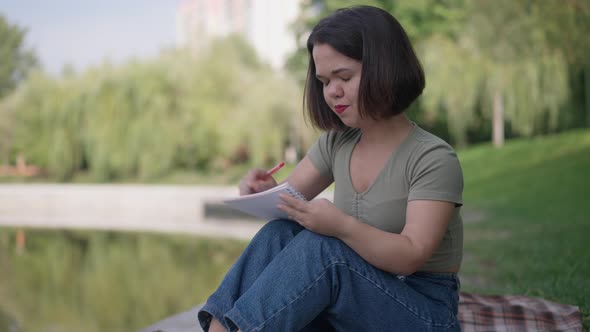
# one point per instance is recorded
(423, 167)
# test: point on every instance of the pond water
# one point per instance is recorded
(8, 323)
(57, 280)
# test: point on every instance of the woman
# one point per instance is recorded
(385, 255)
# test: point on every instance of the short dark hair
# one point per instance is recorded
(392, 77)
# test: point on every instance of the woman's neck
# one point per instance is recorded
(388, 131)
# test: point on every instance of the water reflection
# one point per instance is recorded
(8, 323)
(105, 281)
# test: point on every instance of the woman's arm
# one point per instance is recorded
(403, 254)
(307, 179)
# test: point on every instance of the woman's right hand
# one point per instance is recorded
(256, 181)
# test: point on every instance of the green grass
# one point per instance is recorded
(533, 198)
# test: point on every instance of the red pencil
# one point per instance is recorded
(275, 169)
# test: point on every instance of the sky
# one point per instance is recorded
(84, 33)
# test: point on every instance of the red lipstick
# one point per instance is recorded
(340, 108)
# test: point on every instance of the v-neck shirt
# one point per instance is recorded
(422, 167)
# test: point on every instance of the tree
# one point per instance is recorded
(15, 59)
(145, 119)
(505, 65)
(420, 18)
(506, 62)
(15, 62)
(528, 74)
(567, 26)
(7, 119)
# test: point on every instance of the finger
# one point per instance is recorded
(248, 182)
(294, 202)
(291, 212)
(244, 188)
(262, 185)
(259, 174)
(252, 176)
(255, 172)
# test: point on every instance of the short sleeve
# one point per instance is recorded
(437, 175)
(321, 154)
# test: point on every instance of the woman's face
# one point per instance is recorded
(340, 77)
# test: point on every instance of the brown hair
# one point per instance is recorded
(392, 77)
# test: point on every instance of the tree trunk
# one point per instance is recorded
(498, 120)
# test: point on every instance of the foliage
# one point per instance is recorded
(478, 53)
(420, 18)
(183, 112)
(566, 26)
(503, 57)
(455, 81)
(145, 119)
(461, 79)
(15, 62)
(15, 58)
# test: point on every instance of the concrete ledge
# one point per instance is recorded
(154, 208)
(183, 322)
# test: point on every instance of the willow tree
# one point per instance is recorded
(567, 26)
(131, 122)
(33, 127)
(528, 78)
(266, 118)
(153, 135)
(7, 127)
(454, 80)
(503, 62)
(48, 124)
(145, 119)
(109, 114)
(250, 109)
(198, 140)
(420, 18)
(65, 147)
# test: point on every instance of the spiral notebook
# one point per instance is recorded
(264, 204)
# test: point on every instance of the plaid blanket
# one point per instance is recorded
(516, 313)
(476, 313)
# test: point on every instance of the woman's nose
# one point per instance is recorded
(335, 90)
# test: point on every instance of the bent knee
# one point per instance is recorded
(321, 242)
(279, 226)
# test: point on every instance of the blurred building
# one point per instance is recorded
(264, 23)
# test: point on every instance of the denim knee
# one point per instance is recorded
(321, 248)
(283, 224)
(279, 226)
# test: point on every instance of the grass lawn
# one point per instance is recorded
(531, 203)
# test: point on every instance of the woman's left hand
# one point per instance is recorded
(319, 215)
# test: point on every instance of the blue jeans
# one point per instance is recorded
(291, 279)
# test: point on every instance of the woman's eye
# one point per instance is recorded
(346, 79)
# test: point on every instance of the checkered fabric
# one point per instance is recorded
(508, 313)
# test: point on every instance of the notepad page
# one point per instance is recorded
(264, 204)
